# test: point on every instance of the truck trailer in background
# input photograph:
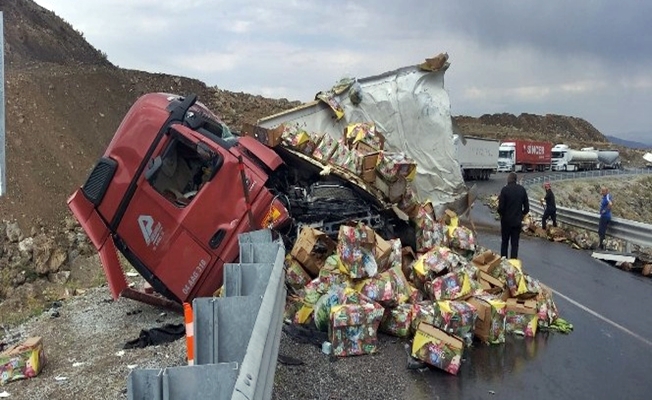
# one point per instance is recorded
(524, 155)
(478, 157)
(607, 159)
(566, 159)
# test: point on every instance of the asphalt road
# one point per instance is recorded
(606, 357)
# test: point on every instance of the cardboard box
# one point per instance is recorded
(452, 286)
(521, 317)
(268, 137)
(438, 348)
(380, 288)
(490, 324)
(22, 361)
(391, 166)
(382, 250)
(455, 317)
(422, 311)
(325, 148)
(312, 248)
(369, 175)
(353, 328)
(361, 235)
(491, 284)
(366, 133)
(547, 310)
(407, 259)
(518, 283)
(486, 261)
(355, 246)
(392, 190)
(396, 321)
(369, 155)
(295, 276)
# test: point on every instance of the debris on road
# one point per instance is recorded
(22, 361)
(612, 256)
(442, 298)
(639, 259)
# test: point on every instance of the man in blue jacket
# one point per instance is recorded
(605, 214)
(513, 204)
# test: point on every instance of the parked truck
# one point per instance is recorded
(524, 155)
(609, 159)
(566, 159)
(478, 157)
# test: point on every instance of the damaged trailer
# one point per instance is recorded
(176, 186)
(412, 110)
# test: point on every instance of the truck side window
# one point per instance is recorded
(184, 169)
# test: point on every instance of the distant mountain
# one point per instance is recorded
(628, 143)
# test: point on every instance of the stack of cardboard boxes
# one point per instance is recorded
(442, 298)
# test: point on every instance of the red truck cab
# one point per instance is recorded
(172, 192)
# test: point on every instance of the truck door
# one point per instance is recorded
(178, 221)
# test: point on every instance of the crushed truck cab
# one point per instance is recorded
(175, 187)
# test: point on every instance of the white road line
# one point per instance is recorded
(605, 319)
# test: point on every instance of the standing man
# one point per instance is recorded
(513, 204)
(605, 214)
(551, 207)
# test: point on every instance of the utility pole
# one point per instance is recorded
(3, 161)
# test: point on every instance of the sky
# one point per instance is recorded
(585, 58)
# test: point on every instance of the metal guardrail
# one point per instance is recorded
(562, 176)
(237, 336)
(630, 231)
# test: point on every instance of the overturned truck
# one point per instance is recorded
(176, 186)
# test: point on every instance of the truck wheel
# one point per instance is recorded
(565, 168)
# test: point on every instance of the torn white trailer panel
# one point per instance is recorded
(648, 157)
(616, 257)
(411, 108)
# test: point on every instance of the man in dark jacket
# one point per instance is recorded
(551, 207)
(513, 204)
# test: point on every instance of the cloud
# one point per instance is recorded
(591, 59)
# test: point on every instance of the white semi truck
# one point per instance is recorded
(566, 159)
(478, 157)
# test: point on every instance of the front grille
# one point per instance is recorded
(99, 179)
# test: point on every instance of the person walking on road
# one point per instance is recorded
(551, 207)
(513, 205)
(605, 214)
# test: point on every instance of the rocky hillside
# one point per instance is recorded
(573, 131)
(557, 128)
(64, 100)
(36, 35)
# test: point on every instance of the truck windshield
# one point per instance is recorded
(505, 154)
(184, 168)
(557, 154)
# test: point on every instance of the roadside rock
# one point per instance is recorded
(13, 232)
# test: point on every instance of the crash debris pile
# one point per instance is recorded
(360, 150)
(448, 293)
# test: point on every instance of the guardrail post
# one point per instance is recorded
(237, 336)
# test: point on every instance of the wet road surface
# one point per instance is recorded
(607, 356)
